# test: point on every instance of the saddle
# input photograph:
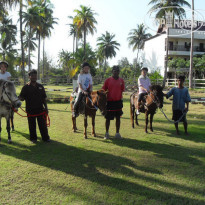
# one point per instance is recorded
(82, 105)
(142, 106)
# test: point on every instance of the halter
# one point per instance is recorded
(154, 101)
(4, 91)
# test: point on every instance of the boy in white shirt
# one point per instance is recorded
(4, 74)
(85, 85)
(144, 86)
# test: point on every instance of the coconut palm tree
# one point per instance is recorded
(11, 3)
(107, 46)
(169, 5)
(137, 36)
(48, 23)
(31, 19)
(85, 22)
(8, 37)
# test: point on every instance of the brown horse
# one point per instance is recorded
(97, 99)
(152, 101)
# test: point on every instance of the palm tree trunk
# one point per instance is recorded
(137, 54)
(84, 41)
(39, 44)
(43, 59)
(29, 50)
(22, 49)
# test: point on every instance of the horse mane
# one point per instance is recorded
(158, 88)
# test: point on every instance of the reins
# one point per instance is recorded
(45, 115)
(172, 121)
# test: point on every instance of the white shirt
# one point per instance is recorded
(85, 80)
(5, 76)
(144, 82)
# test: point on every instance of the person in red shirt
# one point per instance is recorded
(115, 87)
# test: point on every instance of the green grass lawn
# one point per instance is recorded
(155, 168)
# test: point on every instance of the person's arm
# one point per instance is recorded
(22, 94)
(45, 105)
(169, 94)
(81, 87)
(105, 87)
(123, 85)
(91, 83)
(187, 107)
(8, 76)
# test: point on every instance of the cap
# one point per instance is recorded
(144, 68)
(1, 62)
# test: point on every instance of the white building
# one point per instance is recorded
(154, 51)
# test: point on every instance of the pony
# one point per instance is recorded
(89, 107)
(151, 102)
(8, 102)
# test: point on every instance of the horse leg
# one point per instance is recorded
(146, 121)
(0, 129)
(12, 120)
(151, 120)
(136, 118)
(74, 124)
(93, 126)
(132, 110)
(85, 126)
(8, 129)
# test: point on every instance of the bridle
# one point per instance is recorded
(156, 100)
(4, 92)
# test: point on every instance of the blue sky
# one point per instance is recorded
(115, 16)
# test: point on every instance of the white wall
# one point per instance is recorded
(154, 53)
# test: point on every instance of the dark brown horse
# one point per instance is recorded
(152, 101)
(97, 99)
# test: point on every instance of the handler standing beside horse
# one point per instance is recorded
(34, 95)
(85, 86)
(144, 86)
(115, 87)
(180, 98)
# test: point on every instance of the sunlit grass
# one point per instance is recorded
(155, 168)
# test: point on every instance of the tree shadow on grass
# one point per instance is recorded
(169, 151)
(87, 164)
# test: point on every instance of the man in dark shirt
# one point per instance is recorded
(34, 95)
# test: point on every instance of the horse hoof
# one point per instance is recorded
(85, 137)
(151, 130)
(94, 135)
(9, 141)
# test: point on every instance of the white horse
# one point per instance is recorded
(8, 100)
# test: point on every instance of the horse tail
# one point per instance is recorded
(132, 116)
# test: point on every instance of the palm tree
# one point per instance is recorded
(48, 22)
(107, 46)
(8, 37)
(32, 19)
(85, 22)
(29, 45)
(168, 5)
(11, 3)
(137, 36)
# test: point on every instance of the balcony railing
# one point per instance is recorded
(183, 48)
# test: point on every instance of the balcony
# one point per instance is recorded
(187, 48)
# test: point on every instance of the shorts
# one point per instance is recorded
(114, 109)
(177, 115)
